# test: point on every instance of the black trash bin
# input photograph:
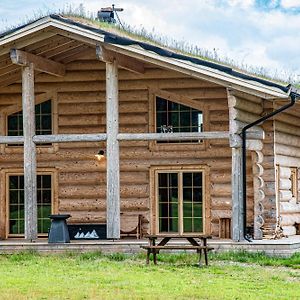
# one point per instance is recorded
(59, 232)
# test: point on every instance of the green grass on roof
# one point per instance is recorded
(80, 15)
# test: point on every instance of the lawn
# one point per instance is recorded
(97, 276)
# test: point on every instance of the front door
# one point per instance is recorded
(180, 201)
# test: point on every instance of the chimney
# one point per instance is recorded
(107, 14)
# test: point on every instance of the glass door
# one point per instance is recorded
(180, 201)
(16, 203)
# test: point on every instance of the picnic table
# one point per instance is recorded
(197, 242)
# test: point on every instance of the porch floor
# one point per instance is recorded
(282, 247)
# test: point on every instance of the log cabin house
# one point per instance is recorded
(169, 127)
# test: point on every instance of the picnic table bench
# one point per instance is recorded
(197, 242)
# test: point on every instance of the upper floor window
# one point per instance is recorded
(43, 120)
(175, 117)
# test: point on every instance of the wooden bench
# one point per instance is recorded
(162, 245)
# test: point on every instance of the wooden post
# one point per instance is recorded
(236, 172)
(30, 197)
(112, 149)
(237, 196)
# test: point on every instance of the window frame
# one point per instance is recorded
(154, 207)
(183, 100)
(54, 199)
(50, 148)
(294, 183)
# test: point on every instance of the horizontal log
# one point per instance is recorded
(246, 97)
(62, 138)
(99, 204)
(237, 126)
(289, 207)
(287, 150)
(80, 130)
(86, 178)
(285, 184)
(11, 139)
(248, 106)
(287, 128)
(285, 195)
(284, 172)
(97, 96)
(173, 136)
(255, 145)
(290, 219)
(94, 178)
(85, 216)
(221, 202)
(81, 191)
(287, 139)
(244, 116)
(287, 161)
(217, 214)
(288, 119)
(219, 115)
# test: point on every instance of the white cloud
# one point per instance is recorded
(290, 3)
(241, 3)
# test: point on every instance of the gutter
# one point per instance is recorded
(293, 94)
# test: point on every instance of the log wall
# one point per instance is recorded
(80, 108)
(287, 155)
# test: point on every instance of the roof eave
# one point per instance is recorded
(202, 72)
(46, 22)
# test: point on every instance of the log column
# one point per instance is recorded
(237, 196)
(30, 197)
(236, 173)
(112, 149)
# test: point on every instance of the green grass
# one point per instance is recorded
(259, 258)
(119, 276)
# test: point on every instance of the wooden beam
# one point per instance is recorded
(98, 137)
(63, 138)
(11, 139)
(237, 196)
(124, 61)
(30, 192)
(39, 63)
(182, 136)
(112, 149)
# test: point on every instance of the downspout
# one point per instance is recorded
(293, 95)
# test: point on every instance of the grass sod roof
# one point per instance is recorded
(125, 36)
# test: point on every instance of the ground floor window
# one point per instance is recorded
(180, 201)
(16, 203)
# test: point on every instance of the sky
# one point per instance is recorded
(259, 33)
